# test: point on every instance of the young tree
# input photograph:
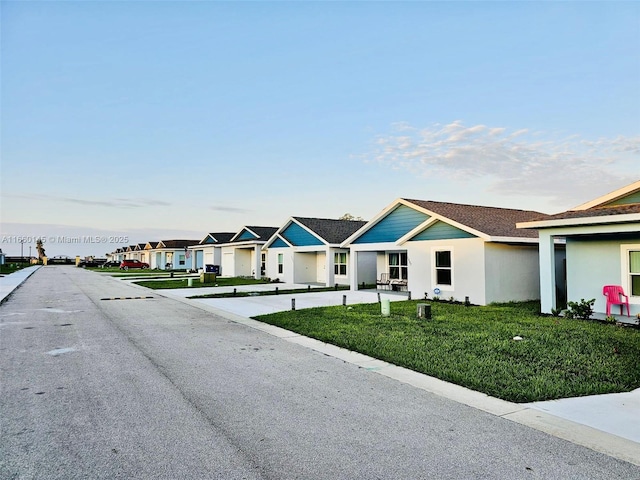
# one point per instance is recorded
(348, 216)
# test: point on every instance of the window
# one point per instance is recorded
(340, 263)
(631, 271)
(634, 273)
(180, 259)
(280, 262)
(443, 267)
(398, 266)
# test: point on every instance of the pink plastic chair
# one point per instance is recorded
(615, 294)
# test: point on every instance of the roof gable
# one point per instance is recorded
(626, 195)
(299, 237)
(245, 234)
(214, 238)
(254, 233)
(331, 231)
(440, 230)
(626, 200)
(279, 243)
(618, 207)
(392, 226)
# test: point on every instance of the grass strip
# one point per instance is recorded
(271, 292)
(182, 283)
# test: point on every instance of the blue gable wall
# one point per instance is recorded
(247, 235)
(441, 231)
(209, 241)
(397, 223)
(278, 243)
(298, 236)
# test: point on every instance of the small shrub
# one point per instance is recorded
(610, 319)
(582, 309)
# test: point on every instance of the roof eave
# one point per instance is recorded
(581, 221)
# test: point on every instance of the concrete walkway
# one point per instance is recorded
(252, 306)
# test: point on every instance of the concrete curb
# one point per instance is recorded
(603, 442)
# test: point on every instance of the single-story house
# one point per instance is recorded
(128, 252)
(171, 255)
(141, 253)
(116, 256)
(209, 251)
(242, 256)
(448, 250)
(307, 250)
(602, 248)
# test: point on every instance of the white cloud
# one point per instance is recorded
(517, 162)
(111, 203)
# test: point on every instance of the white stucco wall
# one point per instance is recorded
(512, 273)
(591, 265)
(468, 269)
(272, 264)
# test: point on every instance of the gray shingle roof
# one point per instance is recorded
(492, 221)
(332, 231)
(179, 243)
(221, 237)
(264, 233)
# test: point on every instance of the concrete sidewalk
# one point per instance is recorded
(8, 283)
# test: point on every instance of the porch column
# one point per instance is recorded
(256, 262)
(547, 272)
(330, 276)
(353, 269)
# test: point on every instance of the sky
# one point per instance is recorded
(151, 120)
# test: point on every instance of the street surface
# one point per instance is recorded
(95, 385)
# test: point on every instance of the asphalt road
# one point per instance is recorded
(154, 388)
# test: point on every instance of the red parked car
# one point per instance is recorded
(127, 264)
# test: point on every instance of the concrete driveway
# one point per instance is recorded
(263, 304)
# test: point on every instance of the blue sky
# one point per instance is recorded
(166, 119)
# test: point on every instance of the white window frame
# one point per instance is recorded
(337, 264)
(625, 280)
(280, 263)
(399, 266)
(434, 268)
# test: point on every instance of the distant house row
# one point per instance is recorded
(485, 254)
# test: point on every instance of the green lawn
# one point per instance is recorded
(11, 267)
(474, 346)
